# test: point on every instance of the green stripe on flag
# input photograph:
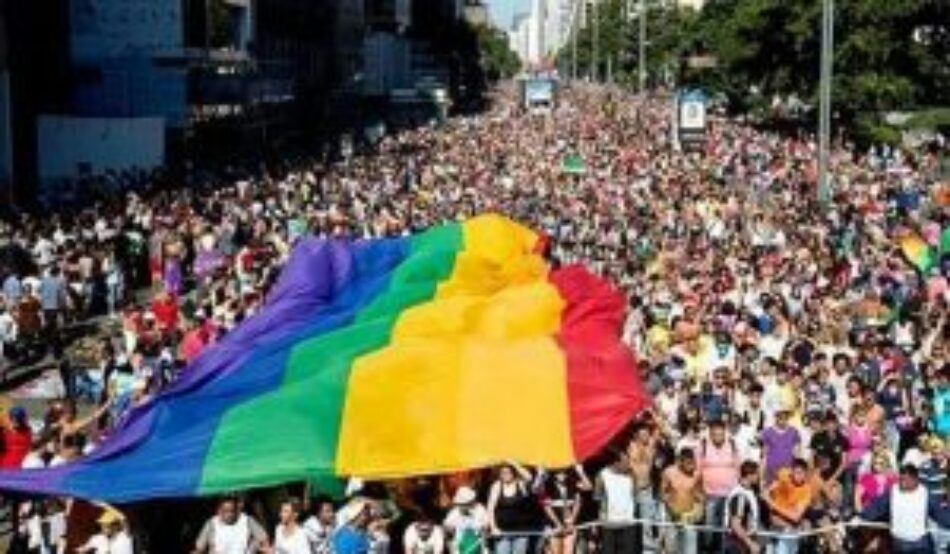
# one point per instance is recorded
(304, 415)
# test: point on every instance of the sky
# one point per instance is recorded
(502, 11)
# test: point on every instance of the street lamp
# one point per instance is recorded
(824, 93)
(595, 43)
(575, 28)
(643, 46)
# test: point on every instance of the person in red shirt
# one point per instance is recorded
(194, 342)
(17, 439)
(165, 309)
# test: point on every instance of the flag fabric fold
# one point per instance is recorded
(453, 349)
(923, 256)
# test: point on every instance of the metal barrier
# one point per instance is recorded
(840, 527)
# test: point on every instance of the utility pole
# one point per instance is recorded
(595, 42)
(641, 8)
(575, 28)
(824, 93)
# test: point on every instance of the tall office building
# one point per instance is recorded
(6, 126)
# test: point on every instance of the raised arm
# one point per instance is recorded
(584, 481)
(493, 496)
(522, 471)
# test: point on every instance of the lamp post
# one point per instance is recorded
(824, 93)
(595, 46)
(575, 28)
(642, 50)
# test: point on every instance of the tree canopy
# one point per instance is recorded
(889, 54)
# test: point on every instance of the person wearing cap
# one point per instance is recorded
(907, 509)
(113, 539)
(467, 523)
(352, 537)
(231, 532)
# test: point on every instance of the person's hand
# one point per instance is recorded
(754, 547)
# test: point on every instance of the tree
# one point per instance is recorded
(889, 54)
(497, 59)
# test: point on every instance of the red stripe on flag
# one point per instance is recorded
(605, 391)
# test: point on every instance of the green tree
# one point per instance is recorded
(888, 54)
(497, 59)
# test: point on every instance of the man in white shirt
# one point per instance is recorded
(616, 492)
(231, 532)
(424, 537)
(907, 508)
(7, 331)
(113, 539)
(320, 527)
(46, 528)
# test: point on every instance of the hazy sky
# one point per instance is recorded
(503, 10)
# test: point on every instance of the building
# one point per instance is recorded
(6, 126)
(37, 72)
(520, 36)
(557, 27)
(110, 70)
(116, 52)
(538, 35)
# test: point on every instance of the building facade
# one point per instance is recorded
(6, 125)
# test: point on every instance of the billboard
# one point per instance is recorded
(539, 93)
(691, 120)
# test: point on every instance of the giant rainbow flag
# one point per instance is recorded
(453, 349)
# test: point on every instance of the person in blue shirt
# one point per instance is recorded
(52, 297)
(941, 405)
(13, 289)
(352, 536)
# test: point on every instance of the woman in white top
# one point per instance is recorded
(290, 537)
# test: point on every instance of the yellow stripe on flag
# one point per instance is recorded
(471, 378)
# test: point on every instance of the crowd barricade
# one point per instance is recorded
(840, 527)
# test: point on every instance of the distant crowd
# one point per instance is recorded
(797, 356)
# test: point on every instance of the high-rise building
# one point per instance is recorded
(538, 35)
(558, 21)
(37, 69)
(6, 126)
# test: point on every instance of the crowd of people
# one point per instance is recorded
(797, 357)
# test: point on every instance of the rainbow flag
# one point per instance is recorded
(919, 253)
(453, 349)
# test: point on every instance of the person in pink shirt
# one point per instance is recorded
(860, 437)
(193, 343)
(719, 463)
(875, 483)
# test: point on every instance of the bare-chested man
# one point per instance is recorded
(682, 492)
(642, 453)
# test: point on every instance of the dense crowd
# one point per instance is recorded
(798, 358)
